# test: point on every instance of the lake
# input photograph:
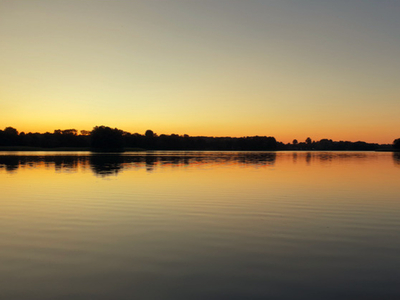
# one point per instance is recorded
(200, 225)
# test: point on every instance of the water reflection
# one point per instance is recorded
(105, 165)
(112, 164)
(200, 225)
(308, 157)
(60, 162)
(396, 158)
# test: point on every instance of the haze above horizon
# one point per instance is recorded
(288, 69)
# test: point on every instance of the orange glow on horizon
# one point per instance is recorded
(285, 134)
(205, 72)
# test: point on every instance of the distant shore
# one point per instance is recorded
(61, 149)
(106, 139)
(130, 149)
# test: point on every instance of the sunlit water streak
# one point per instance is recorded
(200, 225)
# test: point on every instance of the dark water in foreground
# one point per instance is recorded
(200, 225)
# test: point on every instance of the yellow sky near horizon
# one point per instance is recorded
(214, 68)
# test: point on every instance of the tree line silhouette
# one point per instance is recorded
(330, 145)
(104, 138)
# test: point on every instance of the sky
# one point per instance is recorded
(288, 69)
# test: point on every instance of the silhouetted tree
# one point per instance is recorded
(10, 136)
(150, 142)
(11, 131)
(149, 133)
(324, 144)
(106, 139)
(396, 144)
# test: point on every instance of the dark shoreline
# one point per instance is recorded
(107, 139)
(130, 149)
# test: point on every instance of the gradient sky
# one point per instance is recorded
(288, 69)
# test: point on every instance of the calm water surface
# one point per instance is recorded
(200, 225)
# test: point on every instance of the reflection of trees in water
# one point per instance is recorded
(60, 162)
(150, 160)
(396, 158)
(105, 165)
(310, 156)
(63, 163)
(112, 164)
(257, 158)
(9, 162)
(109, 164)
